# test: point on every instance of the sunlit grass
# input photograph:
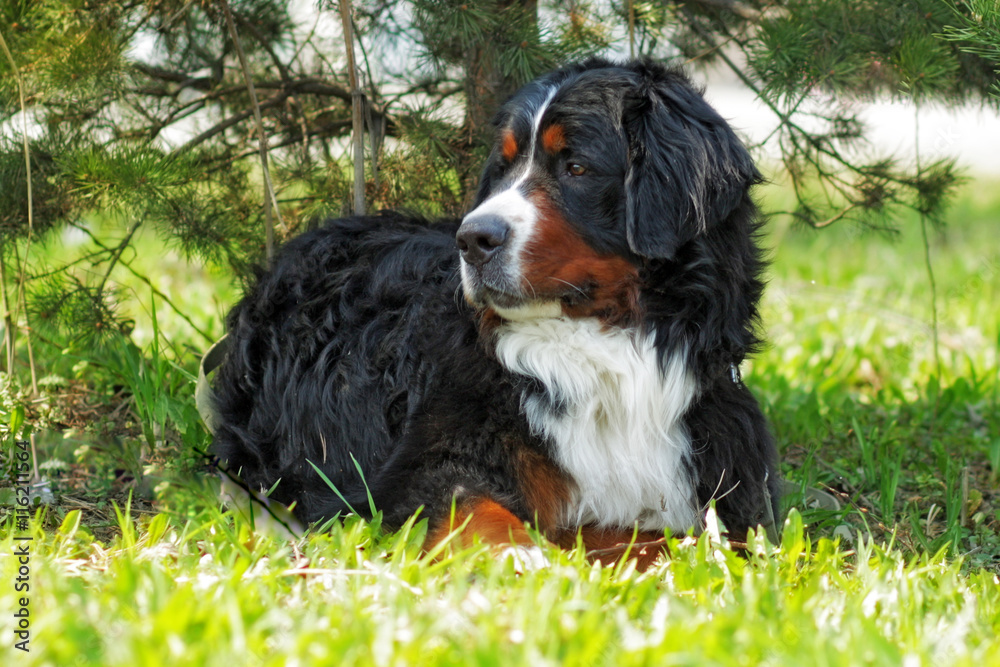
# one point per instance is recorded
(209, 591)
(906, 574)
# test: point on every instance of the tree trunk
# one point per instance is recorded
(486, 88)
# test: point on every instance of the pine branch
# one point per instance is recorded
(184, 110)
(91, 257)
(325, 129)
(741, 9)
(306, 85)
(224, 125)
(819, 225)
(815, 144)
(105, 249)
(283, 71)
(116, 255)
(183, 80)
(249, 26)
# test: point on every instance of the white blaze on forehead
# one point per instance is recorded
(512, 205)
(536, 122)
(510, 197)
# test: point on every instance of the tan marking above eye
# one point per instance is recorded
(508, 145)
(554, 139)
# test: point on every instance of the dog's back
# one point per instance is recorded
(328, 355)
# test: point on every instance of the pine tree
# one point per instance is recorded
(977, 31)
(139, 114)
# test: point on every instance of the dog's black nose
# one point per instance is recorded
(479, 238)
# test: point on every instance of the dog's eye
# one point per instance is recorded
(575, 169)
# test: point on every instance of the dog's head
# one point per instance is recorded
(597, 168)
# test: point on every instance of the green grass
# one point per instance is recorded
(850, 378)
(145, 567)
(210, 592)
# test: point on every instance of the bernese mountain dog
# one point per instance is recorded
(565, 357)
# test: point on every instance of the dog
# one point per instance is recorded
(565, 358)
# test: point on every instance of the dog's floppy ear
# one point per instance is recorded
(687, 168)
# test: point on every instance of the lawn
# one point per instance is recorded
(134, 561)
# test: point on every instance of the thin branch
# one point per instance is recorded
(90, 257)
(430, 87)
(785, 118)
(308, 85)
(735, 6)
(283, 70)
(224, 125)
(356, 115)
(375, 133)
(186, 109)
(631, 28)
(278, 513)
(819, 225)
(8, 321)
(791, 112)
(307, 41)
(270, 199)
(320, 131)
(157, 292)
(31, 225)
(819, 147)
(183, 80)
(208, 337)
(117, 254)
(927, 249)
(26, 328)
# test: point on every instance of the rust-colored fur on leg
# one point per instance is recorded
(497, 526)
(610, 545)
(483, 517)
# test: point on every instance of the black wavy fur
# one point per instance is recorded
(357, 349)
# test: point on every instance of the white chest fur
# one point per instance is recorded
(613, 417)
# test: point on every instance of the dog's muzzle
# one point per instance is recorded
(490, 275)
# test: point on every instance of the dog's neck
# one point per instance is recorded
(613, 416)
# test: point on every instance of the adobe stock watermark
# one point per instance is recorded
(22, 546)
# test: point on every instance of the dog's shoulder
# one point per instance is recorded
(365, 261)
(388, 241)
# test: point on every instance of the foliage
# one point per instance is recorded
(138, 114)
(147, 199)
(978, 32)
(814, 62)
(854, 392)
